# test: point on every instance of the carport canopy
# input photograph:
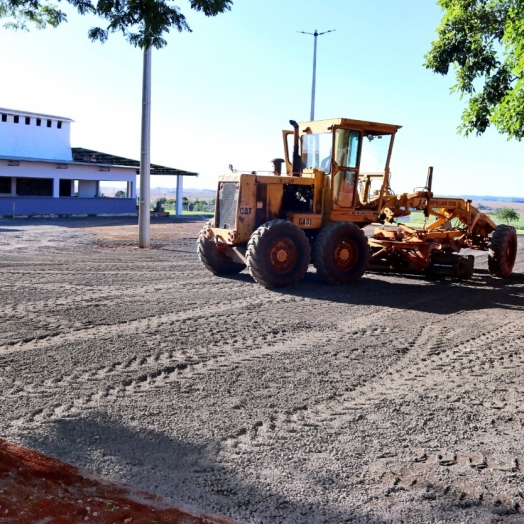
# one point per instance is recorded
(81, 154)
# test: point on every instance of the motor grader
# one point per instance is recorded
(336, 182)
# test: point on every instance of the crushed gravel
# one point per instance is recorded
(397, 399)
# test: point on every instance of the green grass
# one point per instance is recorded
(416, 219)
(194, 213)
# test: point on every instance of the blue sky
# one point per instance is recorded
(222, 94)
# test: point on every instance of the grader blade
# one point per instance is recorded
(402, 249)
(452, 265)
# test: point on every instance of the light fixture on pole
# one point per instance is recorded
(315, 34)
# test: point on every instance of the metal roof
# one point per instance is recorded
(6, 111)
(317, 126)
(83, 155)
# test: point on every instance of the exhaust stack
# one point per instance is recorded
(296, 169)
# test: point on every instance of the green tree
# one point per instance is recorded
(200, 205)
(18, 14)
(484, 42)
(143, 24)
(508, 214)
(120, 194)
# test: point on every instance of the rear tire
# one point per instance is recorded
(213, 258)
(341, 253)
(502, 251)
(278, 254)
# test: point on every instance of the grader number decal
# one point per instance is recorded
(440, 202)
(304, 221)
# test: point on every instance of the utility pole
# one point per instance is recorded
(144, 216)
(315, 34)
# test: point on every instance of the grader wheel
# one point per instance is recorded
(278, 254)
(502, 251)
(213, 257)
(341, 253)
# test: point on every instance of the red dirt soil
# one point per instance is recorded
(35, 488)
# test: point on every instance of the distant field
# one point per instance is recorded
(192, 194)
(417, 219)
(518, 206)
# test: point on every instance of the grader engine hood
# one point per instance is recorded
(235, 207)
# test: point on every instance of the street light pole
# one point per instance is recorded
(315, 34)
(144, 216)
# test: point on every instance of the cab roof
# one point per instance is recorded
(321, 126)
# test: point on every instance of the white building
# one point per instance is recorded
(41, 174)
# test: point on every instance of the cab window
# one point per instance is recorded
(316, 151)
(346, 144)
(375, 148)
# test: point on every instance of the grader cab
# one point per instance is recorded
(336, 182)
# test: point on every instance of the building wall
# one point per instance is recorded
(88, 175)
(50, 177)
(88, 188)
(36, 157)
(30, 206)
(28, 135)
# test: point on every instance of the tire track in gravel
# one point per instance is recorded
(155, 321)
(44, 313)
(430, 352)
(141, 373)
(45, 340)
(420, 470)
(384, 324)
(158, 369)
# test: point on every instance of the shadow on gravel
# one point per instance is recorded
(439, 296)
(184, 472)
(189, 475)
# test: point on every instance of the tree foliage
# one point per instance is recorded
(142, 22)
(18, 14)
(508, 214)
(484, 41)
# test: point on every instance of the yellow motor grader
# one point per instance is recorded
(336, 182)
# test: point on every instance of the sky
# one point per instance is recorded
(223, 93)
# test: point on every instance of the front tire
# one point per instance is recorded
(341, 253)
(213, 257)
(502, 251)
(278, 254)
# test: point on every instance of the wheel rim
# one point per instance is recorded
(345, 254)
(282, 255)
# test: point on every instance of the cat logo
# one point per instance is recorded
(246, 210)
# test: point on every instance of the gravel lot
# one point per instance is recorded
(398, 399)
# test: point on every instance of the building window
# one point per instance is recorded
(49, 122)
(16, 119)
(38, 122)
(59, 125)
(4, 118)
(27, 120)
(5, 185)
(34, 186)
(65, 188)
